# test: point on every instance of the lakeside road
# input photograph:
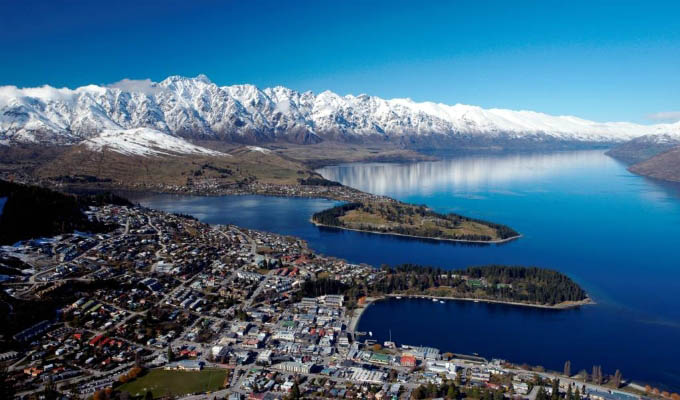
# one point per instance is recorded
(497, 241)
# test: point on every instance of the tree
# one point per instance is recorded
(452, 393)
(597, 374)
(50, 392)
(570, 395)
(555, 389)
(148, 395)
(617, 379)
(171, 355)
(567, 368)
(459, 379)
(6, 387)
(294, 392)
(541, 394)
(577, 394)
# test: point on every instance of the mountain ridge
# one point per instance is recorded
(197, 109)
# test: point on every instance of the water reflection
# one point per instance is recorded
(466, 174)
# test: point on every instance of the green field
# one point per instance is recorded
(164, 383)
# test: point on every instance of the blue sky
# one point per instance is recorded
(610, 60)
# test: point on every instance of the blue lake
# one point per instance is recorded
(583, 213)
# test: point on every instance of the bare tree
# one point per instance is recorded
(617, 379)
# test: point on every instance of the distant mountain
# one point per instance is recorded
(195, 108)
(664, 166)
(144, 158)
(647, 146)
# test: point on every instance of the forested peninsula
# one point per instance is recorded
(531, 286)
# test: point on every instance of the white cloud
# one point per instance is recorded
(146, 86)
(671, 116)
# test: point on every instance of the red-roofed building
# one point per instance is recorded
(408, 361)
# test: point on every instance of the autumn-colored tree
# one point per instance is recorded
(656, 391)
(666, 394)
(377, 347)
(675, 396)
(648, 389)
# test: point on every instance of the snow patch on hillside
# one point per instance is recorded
(259, 149)
(145, 142)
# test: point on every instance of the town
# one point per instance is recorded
(165, 306)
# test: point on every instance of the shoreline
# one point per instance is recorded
(359, 312)
(559, 306)
(497, 241)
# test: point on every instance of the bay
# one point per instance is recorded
(581, 212)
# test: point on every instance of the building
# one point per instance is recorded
(185, 365)
(264, 358)
(407, 361)
(520, 387)
(295, 367)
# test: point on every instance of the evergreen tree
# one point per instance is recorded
(148, 395)
(138, 359)
(294, 392)
(577, 394)
(50, 392)
(171, 355)
(452, 393)
(555, 389)
(541, 394)
(6, 387)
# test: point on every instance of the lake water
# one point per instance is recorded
(582, 213)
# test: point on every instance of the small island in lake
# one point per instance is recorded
(397, 218)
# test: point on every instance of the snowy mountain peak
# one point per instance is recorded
(197, 108)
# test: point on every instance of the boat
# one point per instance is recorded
(398, 297)
(435, 300)
(476, 301)
(441, 301)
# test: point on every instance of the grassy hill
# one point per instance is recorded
(664, 166)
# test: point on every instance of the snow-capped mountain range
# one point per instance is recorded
(196, 108)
